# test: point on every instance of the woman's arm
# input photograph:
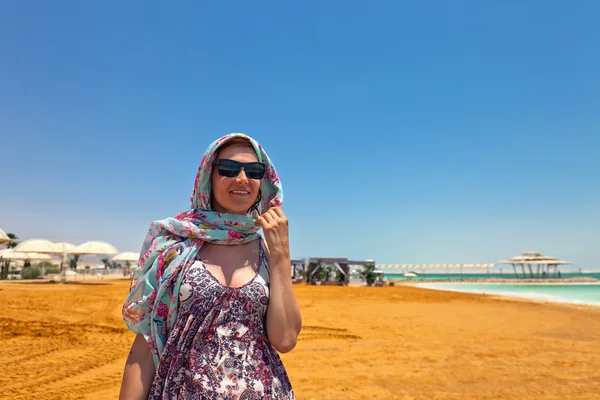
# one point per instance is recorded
(283, 315)
(139, 371)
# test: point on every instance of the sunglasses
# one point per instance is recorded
(232, 168)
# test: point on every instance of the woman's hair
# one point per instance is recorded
(240, 141)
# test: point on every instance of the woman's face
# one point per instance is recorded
(235, 195)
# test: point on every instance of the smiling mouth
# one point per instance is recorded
(240, 193)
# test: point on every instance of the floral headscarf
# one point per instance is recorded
(172, 245)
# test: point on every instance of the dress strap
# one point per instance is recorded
(263, 262)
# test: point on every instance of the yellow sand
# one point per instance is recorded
(69, 342)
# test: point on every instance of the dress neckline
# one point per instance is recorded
(224, 286)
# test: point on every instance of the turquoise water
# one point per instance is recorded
(581, 293)
(467, 277)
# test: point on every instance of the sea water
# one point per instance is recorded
(440, 276)
(579, 293)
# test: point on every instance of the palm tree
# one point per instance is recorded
(368, 275)
(73, 261)
(105, 262)
(9, 245)
(13, 241)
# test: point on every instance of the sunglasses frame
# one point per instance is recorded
(239, 165)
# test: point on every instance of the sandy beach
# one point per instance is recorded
(69, 342)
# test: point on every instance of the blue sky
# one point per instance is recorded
(430, 132)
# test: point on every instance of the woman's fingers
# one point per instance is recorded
(272, 216)
(268, 218)
(279, 212)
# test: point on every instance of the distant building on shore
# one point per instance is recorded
(326, 270)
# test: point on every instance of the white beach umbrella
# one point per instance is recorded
(37, 246)
(127, 256)
(63, 247)
(95, 248)
(3, 237)
(46, 247)
(11, 254)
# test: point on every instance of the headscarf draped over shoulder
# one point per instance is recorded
(171, 246)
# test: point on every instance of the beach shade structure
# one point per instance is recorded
(454, 266)
(544, 264)
(3, 237)
(549, 264)
(64, 247)
(318, 265)
(298, 268)
(47, 247)
(515, 263)
(128, 257)
(37, 246)
(447, 267)
(11, 254)
(95, 248)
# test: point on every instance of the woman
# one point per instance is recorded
(210, 301)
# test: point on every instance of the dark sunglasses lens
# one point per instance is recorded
(228, 169)
(231, 169)
(255, 170)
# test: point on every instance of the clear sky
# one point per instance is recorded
(404, 132)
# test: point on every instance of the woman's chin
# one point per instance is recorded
(238, 209)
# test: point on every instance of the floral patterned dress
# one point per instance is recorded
(219, 347)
